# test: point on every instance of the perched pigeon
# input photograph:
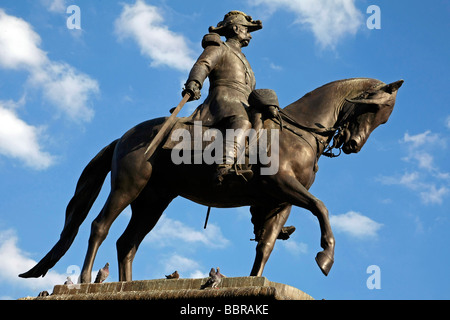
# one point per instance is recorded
(68, 281)
(102, 274)
(213, 280)
(43, 294)
(219, 274)
(174, 275)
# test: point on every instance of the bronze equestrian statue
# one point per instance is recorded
(339, 115)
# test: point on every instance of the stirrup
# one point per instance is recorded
(246, 174)
(227, 170)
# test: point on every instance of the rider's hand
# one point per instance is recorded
(193, 88)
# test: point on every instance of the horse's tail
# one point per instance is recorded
(87, 190)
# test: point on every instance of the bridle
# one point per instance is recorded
(287, 122)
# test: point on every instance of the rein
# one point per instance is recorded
(334, 131)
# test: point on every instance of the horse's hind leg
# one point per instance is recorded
(117, 201)
(146, 211)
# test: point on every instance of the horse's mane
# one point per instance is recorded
(354, 85)
(324, 104)
(339, 89)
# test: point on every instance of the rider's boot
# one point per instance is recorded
(286, 232)
(233, 156)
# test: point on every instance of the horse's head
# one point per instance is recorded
(369, 109)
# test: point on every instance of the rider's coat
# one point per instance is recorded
(231, 80)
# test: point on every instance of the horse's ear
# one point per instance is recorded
(389, 88)
(392, 87)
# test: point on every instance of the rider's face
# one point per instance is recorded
(242, 35)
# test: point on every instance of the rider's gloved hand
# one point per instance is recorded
(193, 88)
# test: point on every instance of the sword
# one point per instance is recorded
(168, 124)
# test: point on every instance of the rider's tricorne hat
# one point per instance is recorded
(236, 18)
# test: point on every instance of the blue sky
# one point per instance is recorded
(66, 93)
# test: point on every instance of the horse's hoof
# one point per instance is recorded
(325, 262)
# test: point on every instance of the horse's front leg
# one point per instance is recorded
(267, 225)
(291, 190)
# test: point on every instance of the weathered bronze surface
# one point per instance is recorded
(338, 115)
(231, 82)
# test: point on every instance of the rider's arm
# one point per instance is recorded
(207, 61)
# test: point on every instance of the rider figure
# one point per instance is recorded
(232, 88)
(231, 82)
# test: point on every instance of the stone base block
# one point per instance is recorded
(236, 288)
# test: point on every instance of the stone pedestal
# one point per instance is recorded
(237, 288)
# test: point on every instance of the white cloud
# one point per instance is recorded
(145, 25)
(62, 85)
(329, 20)
(15, 261)
(420, 139)
(295, 247)
(176, 262)
(197, 274)
(417, 148)
(425, 160)
(58, 6)
(19, 44)
(21, 141)
(428, 191)
(67, 89)
(447, 122)
(169, 232)
(187, 268)
(426, 179)
(355, 224)
(434, 195)
(409, 180)
(275, 67)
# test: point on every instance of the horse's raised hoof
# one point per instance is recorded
(325, 262)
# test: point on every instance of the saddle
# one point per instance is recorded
(196, 143)
(198, 138)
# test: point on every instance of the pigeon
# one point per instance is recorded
(174, 275)
(212, 272)
(102, 274)
(43, 294)
(68, 281)
(213, 280)
(219, 274)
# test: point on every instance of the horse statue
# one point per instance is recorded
(339, 115)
